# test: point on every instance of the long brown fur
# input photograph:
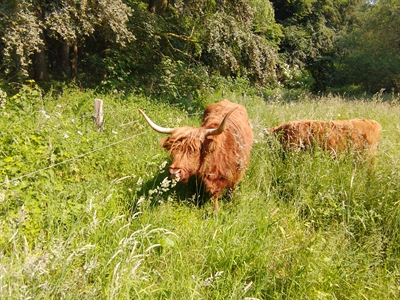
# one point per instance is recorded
(355, 135)
(219, 160)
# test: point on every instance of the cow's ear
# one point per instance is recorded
(212, 146)
(163, 142)
(211, 142)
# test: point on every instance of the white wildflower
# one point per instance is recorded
(162, 166)
(141, 199)
(210, 280)
(44, 114)
(166, 182)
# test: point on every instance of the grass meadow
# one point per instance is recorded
(91, 215)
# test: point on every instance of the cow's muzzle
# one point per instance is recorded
(177, 174)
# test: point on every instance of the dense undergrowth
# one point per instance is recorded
(87, 214)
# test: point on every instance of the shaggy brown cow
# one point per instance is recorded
(218, 152)
(359, 135)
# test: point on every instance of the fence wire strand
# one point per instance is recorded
(70, 159)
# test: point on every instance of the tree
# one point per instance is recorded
(22, 37)
(34, 27)
(371, 51)
(179, 48)
(175, 41)
(310, 30)
(237, 38)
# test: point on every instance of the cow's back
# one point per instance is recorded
(214, 113)
(334, 136)
(358, 134)
(298, 134)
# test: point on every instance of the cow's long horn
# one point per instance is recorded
(155, 126)
(220, 129)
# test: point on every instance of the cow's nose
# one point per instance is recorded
(174, 173)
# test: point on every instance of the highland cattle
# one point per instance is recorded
(217, 152)
(359, 136)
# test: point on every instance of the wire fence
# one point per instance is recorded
(8, 181)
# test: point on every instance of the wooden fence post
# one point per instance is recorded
(98, 114)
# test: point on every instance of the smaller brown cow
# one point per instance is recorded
(355, 135)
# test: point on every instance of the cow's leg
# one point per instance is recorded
(214, 188)
(216, 207)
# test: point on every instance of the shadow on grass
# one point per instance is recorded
(160, 189)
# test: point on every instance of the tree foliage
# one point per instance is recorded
(180, 47)
(21, 35)
(188, 43)
(371, 52)
(310, 30)
(41, 27)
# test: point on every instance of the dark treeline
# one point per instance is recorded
(181, 47)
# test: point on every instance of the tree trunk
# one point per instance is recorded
(152, 6)
(64, 58)
(74, 61)
(39, 56)
(39, 63)
(163, 4)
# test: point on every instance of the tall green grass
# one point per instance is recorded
(102, 221)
